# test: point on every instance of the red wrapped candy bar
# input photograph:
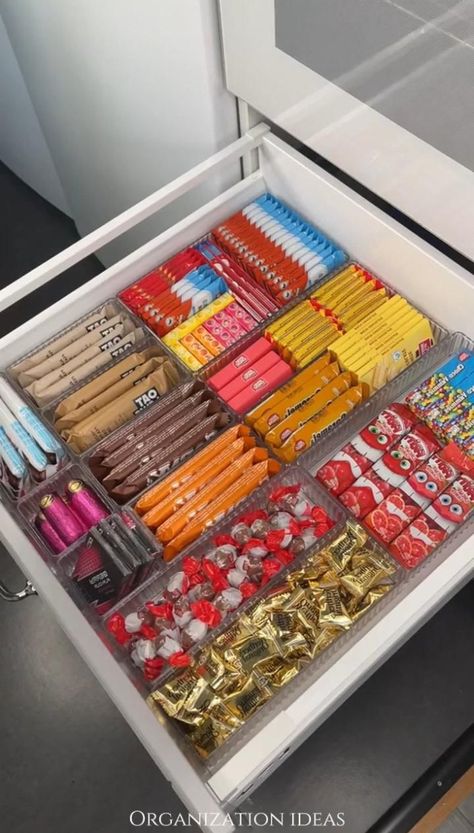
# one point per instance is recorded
(417, 541)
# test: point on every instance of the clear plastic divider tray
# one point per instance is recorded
(289, 476)
(393, 391)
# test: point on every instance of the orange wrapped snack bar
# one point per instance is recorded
(233, 495)
(188, 470)
(156, 516)
(173, 525)
(303, 438)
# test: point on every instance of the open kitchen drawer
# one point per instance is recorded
(433, 283)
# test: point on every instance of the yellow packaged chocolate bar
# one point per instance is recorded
(196, 348)
(280, 403)
(191, 323)
(410, 346)
(304, 437)
(186, 357)
(291, 315)
(336, 285)
(348, 295)
(305, 354)
(304, 323)
(357, 303)
(289, 320)
(340, 383)
(307, 337)
(361, 310)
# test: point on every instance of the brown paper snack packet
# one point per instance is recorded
(112, 392)
(98, 356)
(143, 394)
(74, 352)
(133, 430)
(103, 382)
(57, 344)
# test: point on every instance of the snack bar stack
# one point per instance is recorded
(275, 245)
(445, 401)
(79, 352)
(409, 475)
(111, 562)
(250, 376)
(299, 412)
(274, 640)
(112, 398)
(65, 513)
(200, 302)
(189, 282)
(29, 452)
(158, 440)
(194, 496)
(216, 578)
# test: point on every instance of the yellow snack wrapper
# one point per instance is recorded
(295, 392)
(304, 437)
(186, 357)
(198, 318)
(330, 391)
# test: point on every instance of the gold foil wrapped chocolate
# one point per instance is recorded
(370, 599)
(212, 669)
(173, 694)
(209, 736)
(249, 697)
(267, 647)
(279, 672)
(362, 578)
(250, 652)
(340, 551)
(332, 612)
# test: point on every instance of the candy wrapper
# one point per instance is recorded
(454, 505)
(112, 561)
(267, 646)
(417, 541)
(208, 588)
(29, 452)
(366, 448)
(188, 501)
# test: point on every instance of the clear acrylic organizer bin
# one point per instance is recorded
(259, 325)
(153, 588)
(113, 307)
(311, 672)
(228, 355)
(396, 391)
(153, 568)
(146, 340)
(224, 422)
(28, 507)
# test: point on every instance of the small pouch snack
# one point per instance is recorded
(144, 393)
(57, 346)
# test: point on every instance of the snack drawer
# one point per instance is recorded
(436, 285)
